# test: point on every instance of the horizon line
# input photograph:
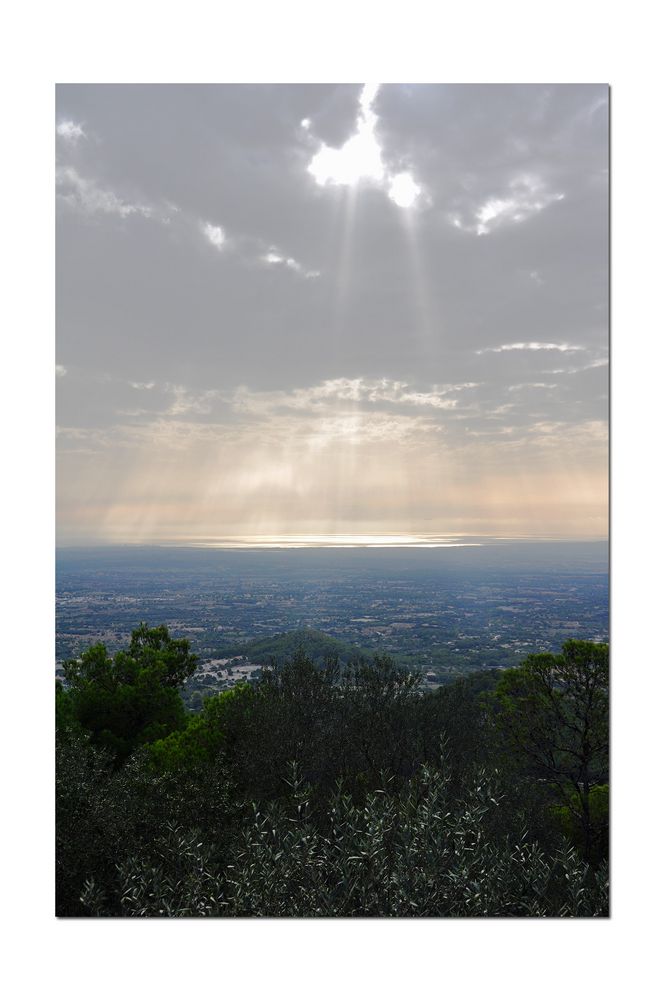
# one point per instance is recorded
(330, 540)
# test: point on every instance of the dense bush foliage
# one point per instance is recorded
(416, 851)
(329, 792)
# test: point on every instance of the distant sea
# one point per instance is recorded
(300, 552)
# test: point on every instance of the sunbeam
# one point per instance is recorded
(424, 328)
(345, 257)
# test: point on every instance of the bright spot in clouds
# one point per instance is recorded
(274, 257)
(360, 158)
(532, 345)
(215, 235)
(526, 196)
(70, 131)
(403, 190)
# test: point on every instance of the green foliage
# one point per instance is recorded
(554, 715)
(81, 845)
(104, 814)
(132, 698)
(207, 734)
(64, 708)
(163, 813)
(310, 642)
(571, 826)
(416, 852)
(353, 725)
(555, 710)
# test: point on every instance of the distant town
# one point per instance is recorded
(442, 613)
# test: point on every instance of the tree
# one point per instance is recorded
(290, 714)
(132, 698)
(383, 718)
(554, 714)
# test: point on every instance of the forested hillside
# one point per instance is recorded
(338, 789)
(316, 645)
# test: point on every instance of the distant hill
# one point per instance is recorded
(317, 645)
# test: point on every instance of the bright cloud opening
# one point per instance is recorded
(214, 235)
(361, 158)
(403, 190)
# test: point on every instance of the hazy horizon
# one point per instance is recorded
(250, 542)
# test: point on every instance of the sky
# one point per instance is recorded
(331, 310)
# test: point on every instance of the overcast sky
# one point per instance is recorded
(331, 309)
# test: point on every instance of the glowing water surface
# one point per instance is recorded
(329, 541)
